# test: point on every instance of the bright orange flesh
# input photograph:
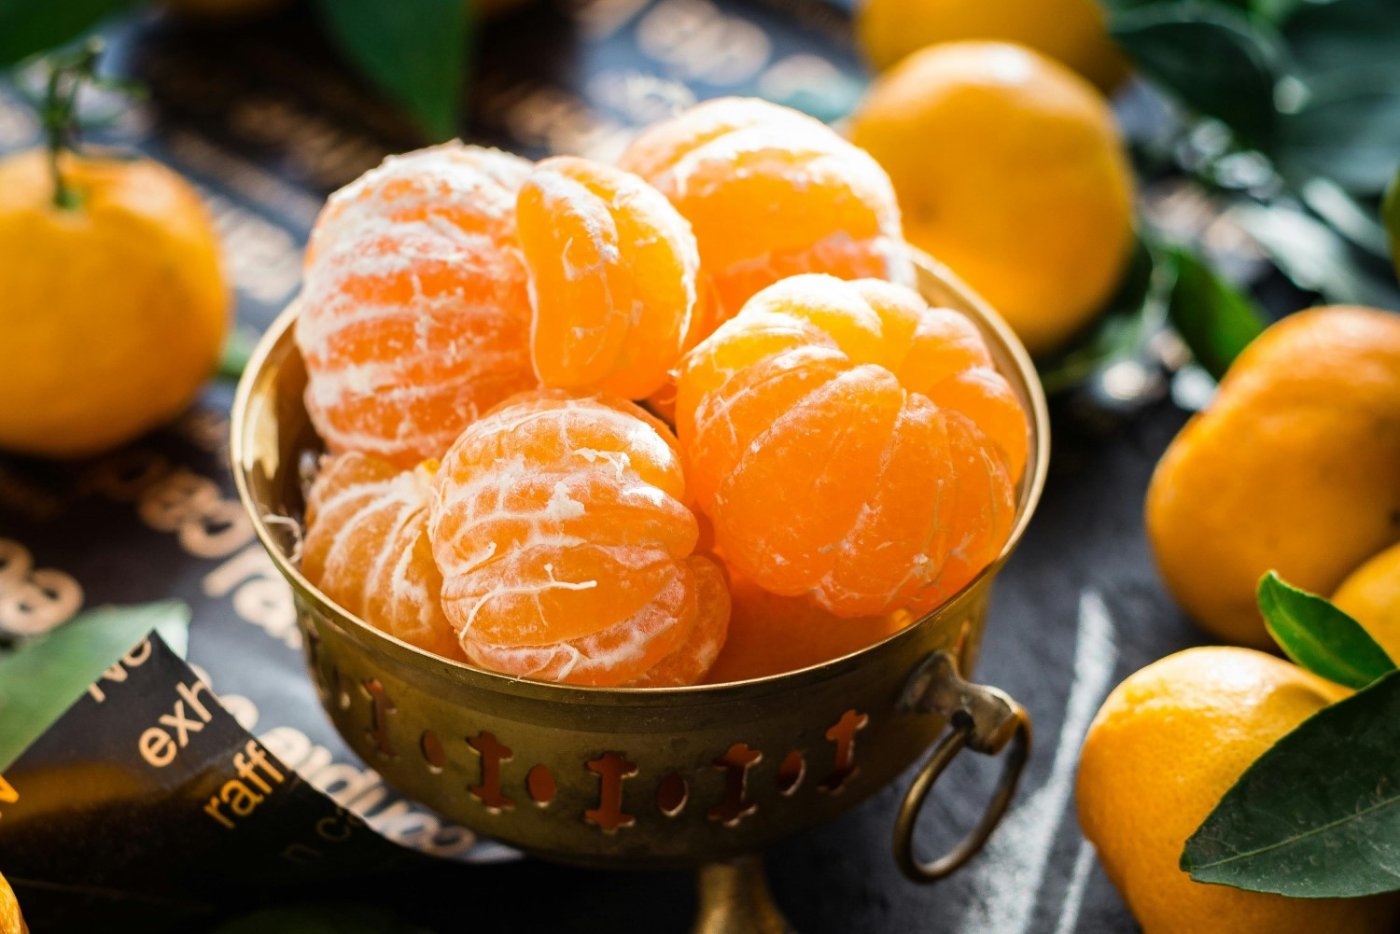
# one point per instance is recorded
(852, 445)
(769, 634)
(367, 548)
(415, 312)
(770, 193)
(561, 527)
(613, 272)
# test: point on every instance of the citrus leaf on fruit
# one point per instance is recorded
(1318, 814)
(1320, 637)
(413, 50)
(1216, 59)
(1215, 319)
(42, 678)
(27, 27)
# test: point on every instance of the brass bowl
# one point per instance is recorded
(643, 777)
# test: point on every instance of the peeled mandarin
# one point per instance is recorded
(613, 272)
(771, 192)
(415, 312)
(851, 444)
(562, 529)
(770, 635)
(366, 548)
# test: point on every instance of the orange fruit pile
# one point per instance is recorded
(846, 456)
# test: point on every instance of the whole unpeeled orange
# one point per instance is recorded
(1165, 747)
(113, 308)
(1010, 169)
(11, 922)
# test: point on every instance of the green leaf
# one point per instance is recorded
(1215, 319)
(1315, 257)
(320, 918)
(1390, 216)
(238, 348)
(1318, 636)
(1323, 35)
(414, 50)
(28, 27)
(1318, 814)
(1347, 128)
(1219, 61)
(42, 679)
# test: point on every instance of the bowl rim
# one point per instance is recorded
(1032, 486)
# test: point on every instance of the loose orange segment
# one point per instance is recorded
(852, 445)
(770, 635)
(561, 527)
(613, 272)
(770, 193)
(367, 548)
(415, 312)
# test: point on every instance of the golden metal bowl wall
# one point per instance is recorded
(651, 777)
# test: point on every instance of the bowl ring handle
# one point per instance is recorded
(983, 719)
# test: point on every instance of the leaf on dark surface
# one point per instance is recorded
(1390, 213)
(1318, 815)
(42, 678)
(1215, 319)
(414, 50)
(1340, 34)
(1320, 637)
(1315, 257)
(320, 918)
(1217, 60)
(1347, 128)
(28, 27)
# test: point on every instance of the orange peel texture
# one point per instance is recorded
(367, 548)
(851, 444)
(769, 193)
(562, 529)
(613, 278)
(415, 312)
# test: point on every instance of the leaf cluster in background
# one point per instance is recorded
(1318, 814)
(1311, 86)
(414, 51)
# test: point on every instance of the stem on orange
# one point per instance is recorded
(68, 72)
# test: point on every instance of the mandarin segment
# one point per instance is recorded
(770, 635)
(851, 445)
(415, 311)
(562, 529)
(366, 548)
(613, 278)
(769, 193)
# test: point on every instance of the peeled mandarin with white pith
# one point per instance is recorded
(366, 548)
(562, 529)
(415, 311)
(613, 271)
(769, 193)
(852, 445)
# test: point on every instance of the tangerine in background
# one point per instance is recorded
(769, 193)
(1011, 171)
(613, 274)
(114, 308)
(851, 444)
(561, 526)
(415, 313)
(366, 547)
(1073, 32)
(1294, 467)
